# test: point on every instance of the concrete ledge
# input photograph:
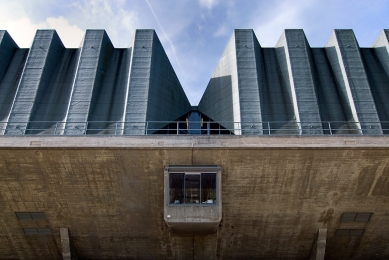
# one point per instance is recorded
(196, 142)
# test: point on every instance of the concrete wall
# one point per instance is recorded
(220, 100)
(377, 66)
(155, 93)
(12, 61)
(277, 193)
(346, 58)
(40, 69)
(294, 54)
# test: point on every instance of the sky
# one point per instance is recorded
(194, 33)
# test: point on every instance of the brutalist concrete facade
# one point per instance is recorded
(294, 84)
(98, 189)
(95, 83)
(289, 89)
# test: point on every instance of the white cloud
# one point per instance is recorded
(112, 16)
(285, 15)
(70, 35)
(22, 30)
(209, 4)
(221, 31)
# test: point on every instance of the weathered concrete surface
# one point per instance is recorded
(344, 55)
(12, 62)
(8, 48)
(220, 100)
(42, 62)
(249, 68)
(297, 63)
(301, 86)
(93, 61)
(381, 48)
(95, 84)
(277, 192)
(155, 93)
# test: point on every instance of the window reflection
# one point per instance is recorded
(176, 184)
(208, 184)
(192, 188)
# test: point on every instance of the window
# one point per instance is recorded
(192, 188)
(349, 232)
(35, 216)
(356, 217)
(37, 231)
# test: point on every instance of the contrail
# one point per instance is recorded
(160, 26)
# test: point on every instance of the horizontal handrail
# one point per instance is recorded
(194, 128)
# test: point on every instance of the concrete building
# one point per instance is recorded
(285, 157)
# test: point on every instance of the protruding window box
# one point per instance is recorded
(193, 201)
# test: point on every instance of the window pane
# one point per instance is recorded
(192, 188)
(208, 188)
(176, 184)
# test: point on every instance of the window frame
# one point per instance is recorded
(193, 170)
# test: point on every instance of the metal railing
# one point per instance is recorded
(194, 128)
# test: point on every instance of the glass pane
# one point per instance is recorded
(192, 188)
(208, 188)
(176, 185)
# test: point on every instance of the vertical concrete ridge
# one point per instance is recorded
(93, 62)
(10, 82)
(248, 52)
(333, 104)
(254, 87)
(167, 100)
(355, 83)
(8, 48)
(12, 61)
(110, 99)
(301, 80)
(285, 72)
(381, 49)
(139, 82)
(376, 62)
(54, 99)
(126, 95)
(276, 100)
(220, 101)
(42, 59)
(282, 52)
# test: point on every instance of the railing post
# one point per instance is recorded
(86, 127)
(329, 126)
(300, 128)
(147, 126)
(268, 126)
(25, 129)
(56, 127)
(208, 130)
(116, 127)
(177, 127)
